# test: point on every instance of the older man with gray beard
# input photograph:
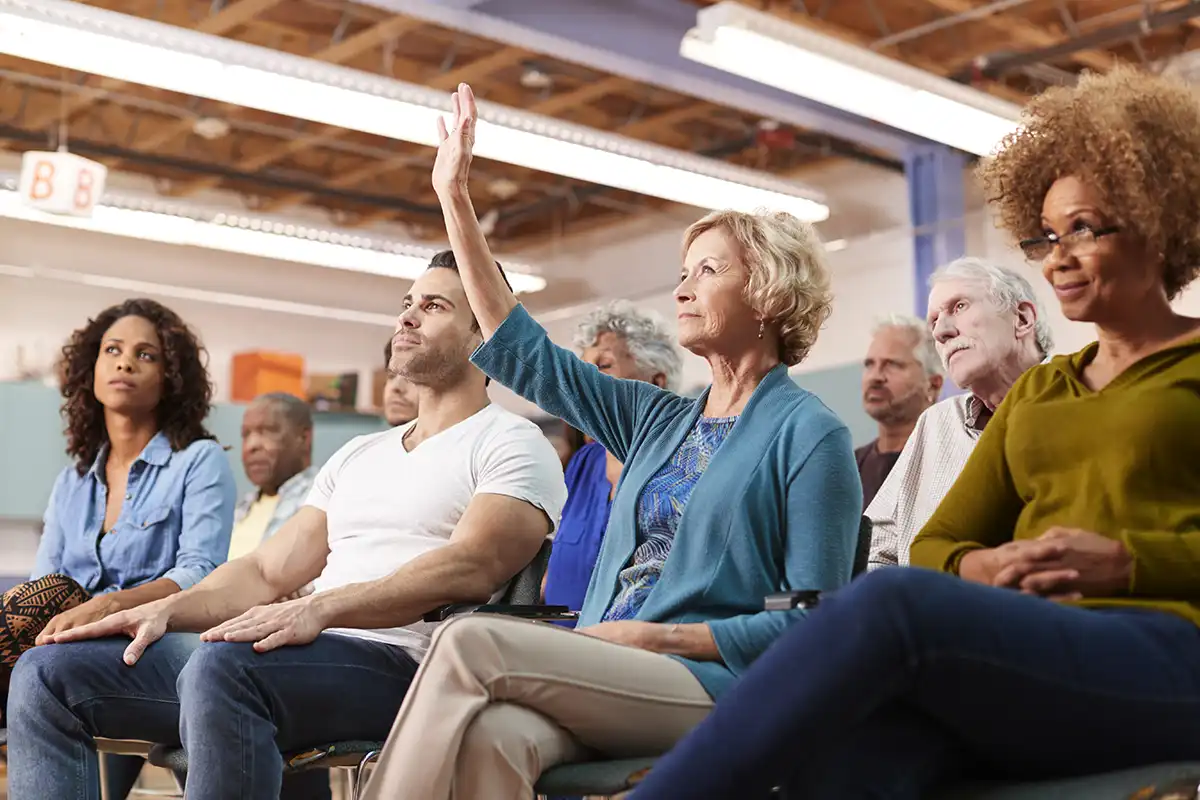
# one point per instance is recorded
(989, 329)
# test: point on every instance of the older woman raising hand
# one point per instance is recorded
(749, 489)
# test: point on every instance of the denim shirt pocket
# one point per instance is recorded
(149, 546)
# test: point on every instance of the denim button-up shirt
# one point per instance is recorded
(175, 522)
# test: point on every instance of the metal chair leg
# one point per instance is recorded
(358, 781)
(103, 776)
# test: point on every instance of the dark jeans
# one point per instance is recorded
(233, 709)
(907, 679)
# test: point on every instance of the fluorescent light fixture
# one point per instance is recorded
(764, 48)
(253, 236)
(254, 303)
(836, 245)
(141, 51)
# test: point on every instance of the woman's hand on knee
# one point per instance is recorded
(93, 610)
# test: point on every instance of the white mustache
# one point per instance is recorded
(953, 346)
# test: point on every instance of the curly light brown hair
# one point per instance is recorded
(789, 282)
(186, 390)
(1134, 138)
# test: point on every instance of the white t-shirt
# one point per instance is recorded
(386, 506)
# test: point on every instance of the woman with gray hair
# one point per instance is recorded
(622, 341)
(749, 489)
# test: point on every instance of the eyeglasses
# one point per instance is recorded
(1079, 242)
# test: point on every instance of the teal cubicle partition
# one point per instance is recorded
(31, 440)
(841, 389)
(32, 443)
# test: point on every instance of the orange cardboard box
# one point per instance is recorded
(260, 371)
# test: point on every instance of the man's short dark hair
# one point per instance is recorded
(444, 259)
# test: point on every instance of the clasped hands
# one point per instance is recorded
(1061, 564)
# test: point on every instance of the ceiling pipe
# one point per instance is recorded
(997, 65)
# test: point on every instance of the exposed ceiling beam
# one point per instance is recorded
(233, 15)
(374, 36)
(336, 53)
(218, 24)
(862, 40)
(639, 40)
(549, 106)
(998, 65)
(633, 128)
(1027, 33)
(592, 90)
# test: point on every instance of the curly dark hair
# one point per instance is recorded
(187, 391)
(1134, 137)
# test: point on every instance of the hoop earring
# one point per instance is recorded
(762, 327)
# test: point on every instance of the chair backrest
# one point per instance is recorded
(862, 548)
(526, 588)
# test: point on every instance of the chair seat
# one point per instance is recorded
(594, 777)
(124, 747)
(1104, 786)
(326, 756)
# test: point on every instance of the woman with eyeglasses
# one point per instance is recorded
(1055, 628)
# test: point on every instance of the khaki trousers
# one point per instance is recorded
(499, 700)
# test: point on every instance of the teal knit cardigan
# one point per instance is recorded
(777, 508)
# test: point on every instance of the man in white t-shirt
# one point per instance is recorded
(445, 509)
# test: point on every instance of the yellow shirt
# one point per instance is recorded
(1123, 462)
(248, 534)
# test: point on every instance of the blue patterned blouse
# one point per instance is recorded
(659, 511)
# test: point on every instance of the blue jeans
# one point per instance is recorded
(233, 709)
(907, 679)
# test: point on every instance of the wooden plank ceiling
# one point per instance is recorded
(189, 145)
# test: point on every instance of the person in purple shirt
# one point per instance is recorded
(625, 342)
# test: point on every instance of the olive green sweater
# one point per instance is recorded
(1123, 462)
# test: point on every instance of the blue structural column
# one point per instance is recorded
(936, 207)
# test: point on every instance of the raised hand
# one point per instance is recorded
(452, 166)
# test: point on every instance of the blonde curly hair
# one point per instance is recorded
(1134, 138)
(789, 279)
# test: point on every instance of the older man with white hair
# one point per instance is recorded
(989, 328)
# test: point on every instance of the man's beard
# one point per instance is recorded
(434, 367)
(900, 409)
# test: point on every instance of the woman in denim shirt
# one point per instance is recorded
(147, 508)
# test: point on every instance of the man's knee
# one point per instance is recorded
(41, 673)
(212, 669)
(58, 669)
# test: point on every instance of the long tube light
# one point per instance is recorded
(297, 242)
(764, 48)
(254, 303)
(101, 42)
